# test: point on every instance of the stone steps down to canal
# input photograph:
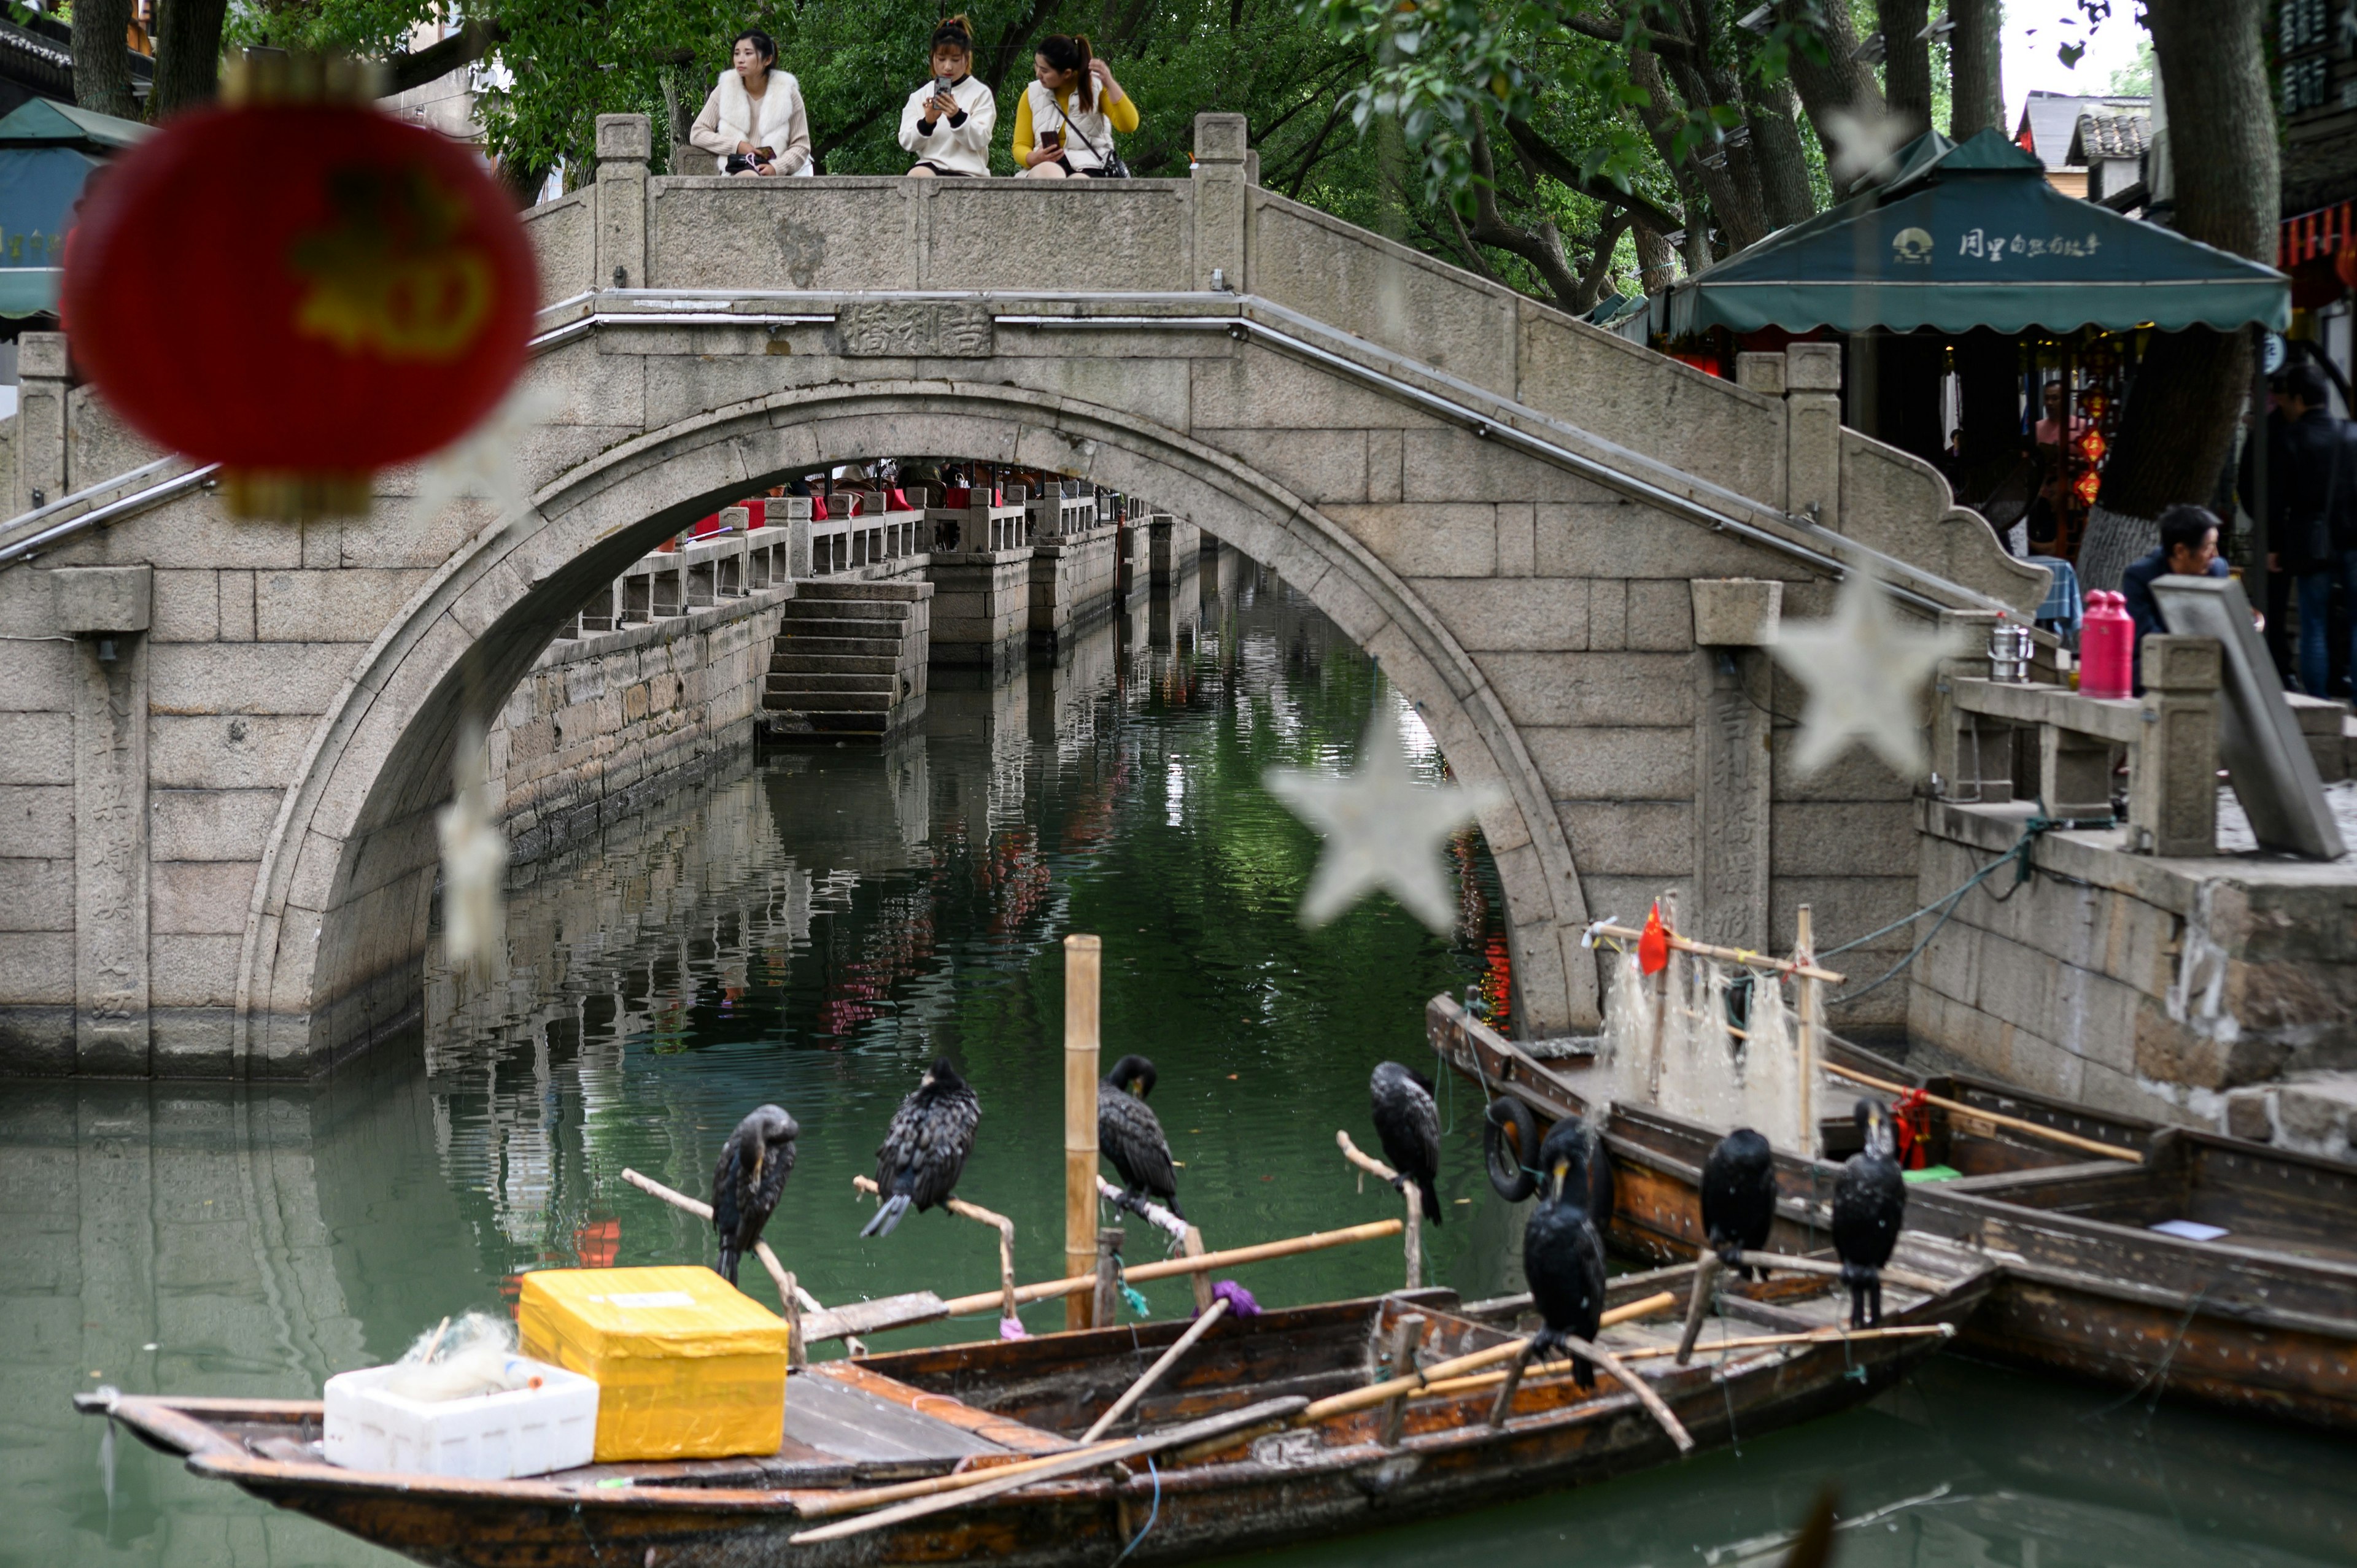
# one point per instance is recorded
(849, 662)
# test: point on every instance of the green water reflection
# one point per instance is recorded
(811, 928)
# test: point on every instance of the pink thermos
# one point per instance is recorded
(2106, 647)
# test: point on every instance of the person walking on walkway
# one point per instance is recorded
(1069, 116)
(949, 121)
(2311, 511)
(754, 122)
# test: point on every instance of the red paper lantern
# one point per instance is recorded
(302, 292)
(1654, 944)
(2344, 264)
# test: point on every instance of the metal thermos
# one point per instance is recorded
(2009, 651)
(2106, 648)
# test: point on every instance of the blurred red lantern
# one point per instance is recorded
(1654, 944)
(2344, 265)
(304, 291)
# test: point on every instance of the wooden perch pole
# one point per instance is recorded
(1407, 1190)
(1083, 957)
(1812, 1022)
(1392, 1387)
(2015, 1123)
(1170, 1268)
(980, 1216)
(790, 1295)
(1743, 956)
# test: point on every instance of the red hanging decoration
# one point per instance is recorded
(300, 288)
(2344, 263)
(1911, 1117)
(1654, 944)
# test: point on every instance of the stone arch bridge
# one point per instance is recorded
(224, 743)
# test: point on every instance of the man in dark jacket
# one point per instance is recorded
(2311, 511)
(2188, 548)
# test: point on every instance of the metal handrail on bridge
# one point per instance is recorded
(1236, 316)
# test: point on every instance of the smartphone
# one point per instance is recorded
(941, 87)
(1051, 138)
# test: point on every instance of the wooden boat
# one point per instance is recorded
(1236, 1455)
(2261, 1318)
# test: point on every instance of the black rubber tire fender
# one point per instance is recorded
(1510, 1142)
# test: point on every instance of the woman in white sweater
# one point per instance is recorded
(948, 121)
(754, 122)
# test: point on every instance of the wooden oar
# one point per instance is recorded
(1152, 1375)
(2034, 1129)
(978, 1486)
(1796, 1265)
(1753, 1342)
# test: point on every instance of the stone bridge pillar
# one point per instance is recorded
(1222, 201)
(624, 144)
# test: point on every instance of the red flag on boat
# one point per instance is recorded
(1654, 944)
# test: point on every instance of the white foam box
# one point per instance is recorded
(487, 1437)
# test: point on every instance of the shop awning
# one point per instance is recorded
(1967, 235)
(29, 290)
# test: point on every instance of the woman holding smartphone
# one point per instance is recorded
(1070, 115)
(949, 121)
(754, 122)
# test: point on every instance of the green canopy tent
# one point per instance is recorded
(48, 152)
(1970, 235)
(1951, 255)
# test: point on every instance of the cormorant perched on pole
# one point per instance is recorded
(745, 1183)
(1562, 1257)
(1869, 1201)
(1739, 1195)
(1130, 1134)
(1409, 1123)
(926, 1147)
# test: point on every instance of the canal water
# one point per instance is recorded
(811, 927)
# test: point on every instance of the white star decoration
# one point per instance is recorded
(474, 863)
(1864, 672)
(1382, 829)
(483, 462)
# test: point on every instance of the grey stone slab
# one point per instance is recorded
(343, 606)
(1615, 689)
(189, 678)
(1586, 763)
(1490, 614)
(213, 824)
(39, 894)
(187, 607)
(35, 820)
(36, 747)
(1630, 838)
(201, 897)
(234, 751)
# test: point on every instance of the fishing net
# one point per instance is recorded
(1669, 1042)
(475, 1354)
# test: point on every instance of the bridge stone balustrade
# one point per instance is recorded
(1506, 507)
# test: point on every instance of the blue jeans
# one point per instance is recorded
(2315, 618)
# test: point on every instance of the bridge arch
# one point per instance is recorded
(339, 921)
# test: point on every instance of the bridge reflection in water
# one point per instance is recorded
(812, 926)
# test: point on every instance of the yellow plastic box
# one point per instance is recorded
(688, 1366)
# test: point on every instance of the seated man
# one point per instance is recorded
(2188, 548)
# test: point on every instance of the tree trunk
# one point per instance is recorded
(1976, 87)
(1907, 64)
(101, 75)
(2190, 391)
(1778, 156)
(1657, 263)
(1839, 85)
(187, 55)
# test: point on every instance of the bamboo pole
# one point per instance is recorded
(1743, 956)
(1791, 1264)
(1408, 1192)
(1464, 1385)
(1811, 1010)
(1169, 1268)
(1661, 1006)
(1392, 1387)
(1152, 1375)
(2051, 1134)
(943, 1492)
(1083, 957)
(999, 1223)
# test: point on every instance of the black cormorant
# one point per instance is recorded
(926, 1147)
(1409, 1125)
(1869, 1201)
(1562, 1257)
(1739, 1195)
(754, 1165)
(1130, 1134)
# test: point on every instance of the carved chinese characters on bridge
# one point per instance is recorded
(920, 330)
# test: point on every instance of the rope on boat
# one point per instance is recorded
(1948, 904)
(1151, 1515)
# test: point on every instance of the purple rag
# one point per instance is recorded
(1240, 1300)
(1012, 1329)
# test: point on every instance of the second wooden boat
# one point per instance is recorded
(2244, 1300)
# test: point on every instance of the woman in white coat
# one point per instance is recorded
(754, 122)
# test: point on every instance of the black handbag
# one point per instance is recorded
(1109, 163)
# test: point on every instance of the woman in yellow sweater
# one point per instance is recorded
(1065, 125)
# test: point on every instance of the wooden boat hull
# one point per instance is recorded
(1262, 1489)
(2233, 1328)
